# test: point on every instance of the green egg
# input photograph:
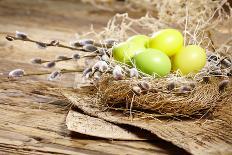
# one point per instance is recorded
(153, 62)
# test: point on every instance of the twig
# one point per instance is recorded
(53, 43)
(43, 43)
(70, 58)
(186, 25)
(131, 106)
(63, 71)
(211, 40)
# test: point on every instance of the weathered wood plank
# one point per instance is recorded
(32, 115)
(92, 126)
(26, 127)
(196, 136)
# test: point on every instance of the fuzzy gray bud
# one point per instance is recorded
(62, 57)
(101, 66)
(110, 42)
(50, 64)
(75, 44)
(86, 72)
(54, 42)
(105, 58)
(184, 89)
(84, 42)
(170, 86)
(144, 85)
(97, 75)
(117, 73)
(226, 62)
(21, 35)
(223, 84)
(134, 73)
(54, 75)
(76, 56)
(102, 51)
(9, 38)
(36, 61)
(41, 45)
(137, 90)
(90, 48)
(96, 66)
(17, 73)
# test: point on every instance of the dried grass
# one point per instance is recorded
(171, 11)
(202, 99)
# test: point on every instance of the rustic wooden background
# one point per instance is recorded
(32, 116)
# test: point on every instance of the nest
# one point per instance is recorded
(172, 96)
(186, 98)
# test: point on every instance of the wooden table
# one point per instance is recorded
(32, 116)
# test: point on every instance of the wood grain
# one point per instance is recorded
(32, 113)
(200, 137)
(93, 126)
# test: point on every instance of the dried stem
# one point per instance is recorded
(46, 44)
(70, 58)
(58, 44)
(63, 71)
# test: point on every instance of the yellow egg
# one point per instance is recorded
(139, 40)
(189, 59)
(169, 41)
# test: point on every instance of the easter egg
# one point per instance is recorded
(153, 62)
(124, 51)
(169, 41)
(191, 58)
(139, 40)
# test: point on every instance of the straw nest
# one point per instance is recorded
(167, 97)
(174, 95)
